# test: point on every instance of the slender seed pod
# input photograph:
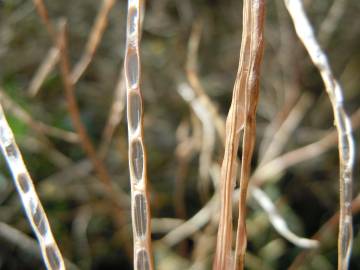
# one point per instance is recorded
(140, 207)
(342, 121)
(29, 199)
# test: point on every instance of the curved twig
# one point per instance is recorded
(346, 143)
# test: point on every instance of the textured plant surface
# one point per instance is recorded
(140, 205)
(242, 116)
(342, 123)
(29, 199)
(120, 108)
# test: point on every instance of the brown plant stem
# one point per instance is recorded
(346, 145)
(257, 14)
(234, 124)
(85, 141)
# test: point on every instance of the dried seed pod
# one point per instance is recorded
(342, 121)
(29, 198)
(137, 155)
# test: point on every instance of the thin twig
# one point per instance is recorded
(203, 113)
(73, 108)
(184, 151)
(44, 15)
(59, 39)
(274, 167)
(37, 125)
(278, 222)
(115, 115)
(286, 128)
(202, 217)
(346, 143)
(93, 40)
(41, 129)
(331, 21)
(43, 71)
(208, 135)
(92, 44)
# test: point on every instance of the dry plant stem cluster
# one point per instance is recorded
(86, 142)
(94, 40)
(92, 44)
(60, 40)
(116, 196)
(53, 55)
(29, 198)
(202, 106)
(346, 145)
(140, 206)
(208, 130)
(40, 127)
(264, 173)
(241, 116)
(263, 200)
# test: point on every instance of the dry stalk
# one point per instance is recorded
(199, 102)
(43, 71)
(195, 83)
(264, 201)
(44, 15)
(93, 41)
(241, 115)
(115, 115)
(346, 143)
(117, 197)
(86, 143)
(29, 199)
(204, 113)
(202, 217)
(208, 136)
(40, 127)
(140, 204)
(53, 55)
(274, 167)
(331, 21)
(256, 11)
(191, 225)
(286, 129)
(234, 124)
(118, 104)
(278, 222)
(262, 174)
(184, 152)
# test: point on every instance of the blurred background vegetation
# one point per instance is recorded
(86, 231)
